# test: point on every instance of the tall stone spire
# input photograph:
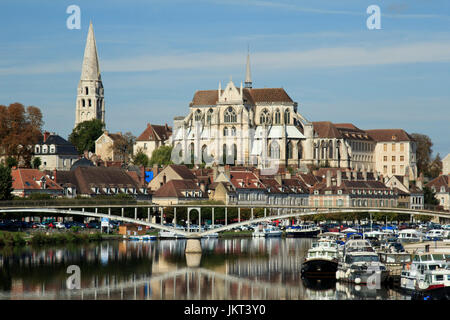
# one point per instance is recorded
(248, 76)
(90, 94)
(91, 69)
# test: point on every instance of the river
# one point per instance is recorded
(227, 269)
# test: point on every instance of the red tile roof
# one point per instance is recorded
(174, 189)
(155, 133)
(389, 135)
(28, 179)
(210, 97)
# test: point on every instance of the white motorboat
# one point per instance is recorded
(321, 260)
(360, 264)
(272, 231)
(434, 286)
(410, 235)
(422, 264)
(142, 238)
(164, 234)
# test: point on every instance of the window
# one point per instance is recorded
(393, 158)
(393, 169)
(393, 147)
(402, 158)
(385, 169)
(86, 89)
(90, 103)
(385, 158)
(385, 147)
(289, 151)
(209, 116)
(230, 115)
(198, 115)
(264, 117)
(225, 131)
(233, 131)
(83, 103)
(145, 146)
(275, 150)
(287, 116)
(277, 117)
(402, 147)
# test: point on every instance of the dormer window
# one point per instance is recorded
(52, 149)
(442, 189)
(44, 149)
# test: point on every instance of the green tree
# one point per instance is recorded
(423, 152)
(5, 183)
(141, 159)
(429, 197)
(83, 136)
(161, 156)
(36, 163)
(123, 146)
(11, 162)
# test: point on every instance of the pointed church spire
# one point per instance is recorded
(90, 69)
(248, 76)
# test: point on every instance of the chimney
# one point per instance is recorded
(419, 181)
(339, 178)
(328, 178)
(54, 176)
(406, 179)
(46, 135)
(155, 170)
(227, 171)
(142, 178)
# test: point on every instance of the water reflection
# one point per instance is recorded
(228, 269)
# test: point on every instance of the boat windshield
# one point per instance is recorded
(353, 259)
(438, 257)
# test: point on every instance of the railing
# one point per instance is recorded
(69, 202)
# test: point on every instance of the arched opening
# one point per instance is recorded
(264, 117)
(287, 116)
(277, 117)
(230, 115)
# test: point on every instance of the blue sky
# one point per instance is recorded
(155, 54)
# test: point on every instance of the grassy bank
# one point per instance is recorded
(230, 234)
(22, 238)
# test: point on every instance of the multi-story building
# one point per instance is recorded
(29, 181)
(441, 187)
(55, 152)
(104, 146)
(152, 138)
(395, 152)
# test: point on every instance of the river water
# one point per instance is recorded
(227, 269)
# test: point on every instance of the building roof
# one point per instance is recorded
(245, 180)
(175, 188)
(62, 146)
(383, 135)
(29, 179)
(155, 133)
(439, 182)
(326, 129)
(83, 162)
(182, 171)
(253, 96)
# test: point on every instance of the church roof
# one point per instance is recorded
(62, 146)
(253, 96)
(91, 68)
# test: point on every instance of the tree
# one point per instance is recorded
(429, 197)
(36, 163)
(83, 136)
(161, 156)
(141, 159)
(5, 183)
(123, 146)
(11, 162)
(436, 167)
(423, 152)
(20, 130)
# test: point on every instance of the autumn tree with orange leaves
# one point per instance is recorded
(20, 130)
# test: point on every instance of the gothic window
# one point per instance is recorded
(191, 151)
(198, 115)
(224, 154)
(264, 118)
(233, 131)
(209, 116)
(300, 150)
(225, 131)
(230, 115)
(289, 153)
(90, 103)
(83, 103)
(275, 150)
(330, 149)
(86, 89)
(277, 117)
(287, 116)
(205, 154)
(234, 153)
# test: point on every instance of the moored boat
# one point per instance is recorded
(302, 231)
(321, 260)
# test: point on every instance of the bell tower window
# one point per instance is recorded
(86, 89)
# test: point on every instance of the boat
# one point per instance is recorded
(360, 264)
(434, 286)
(435, 235)
(421, 264)
(410, 235)
(211, 235)
(272, 231)
(164, 234)
(321, 260)
(302, 231)
(142, 238)
(259, 231)
(394, 262)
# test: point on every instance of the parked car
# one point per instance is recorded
(60, 225)
(93, 225)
